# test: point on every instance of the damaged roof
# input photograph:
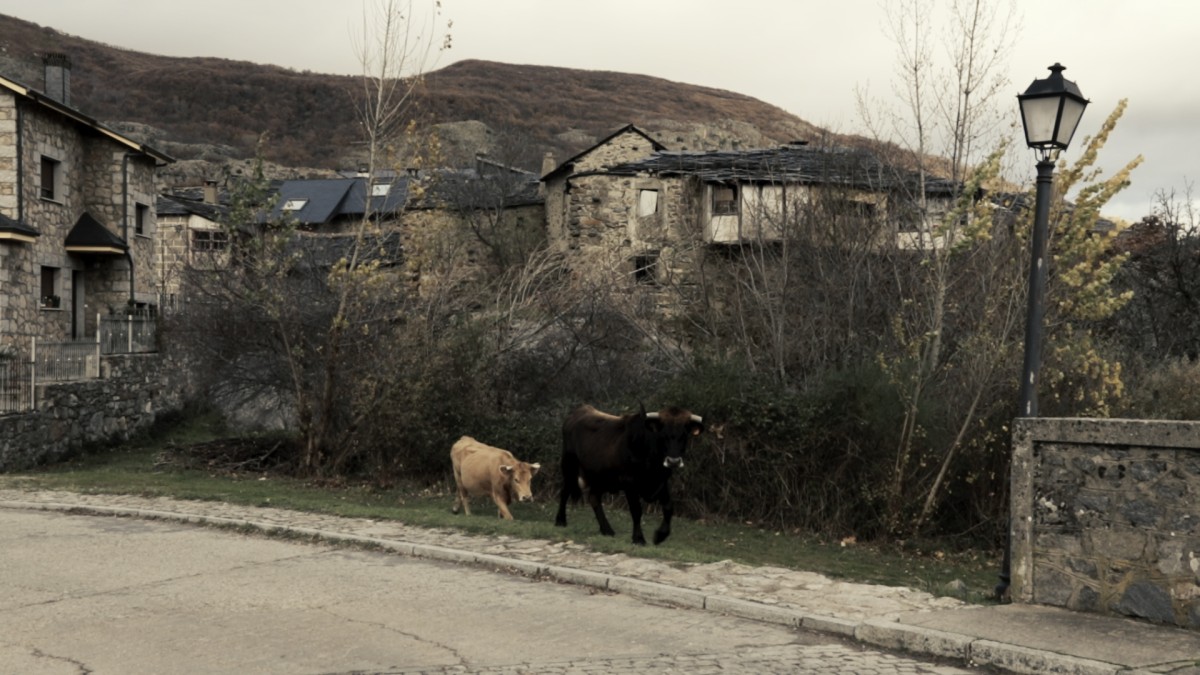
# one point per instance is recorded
(795, 163)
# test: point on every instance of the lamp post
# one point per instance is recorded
(1050, 112)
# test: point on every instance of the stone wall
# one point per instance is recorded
(624, 147)
(132, 392)
(1106, 517)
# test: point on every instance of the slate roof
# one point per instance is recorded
(473, 188)
(90, 235)
(793, 163)
(332, 199)
(173, 205)
(16, 227)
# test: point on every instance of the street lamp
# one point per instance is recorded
(1050, 111)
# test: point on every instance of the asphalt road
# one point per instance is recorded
(88, 594)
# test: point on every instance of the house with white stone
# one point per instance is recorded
(77, 215)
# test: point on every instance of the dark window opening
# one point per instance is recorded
(141, 218)
(50, 189)
(49, 288)
(725, 201)
(645, 268)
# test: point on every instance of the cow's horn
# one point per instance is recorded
(697, 419)
(652, 416)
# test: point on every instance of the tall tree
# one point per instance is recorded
(299, 319)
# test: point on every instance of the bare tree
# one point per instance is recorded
(299, 318)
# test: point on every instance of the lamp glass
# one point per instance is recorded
(1040, 115)
(1072, 112)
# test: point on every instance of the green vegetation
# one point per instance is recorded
(147, 467)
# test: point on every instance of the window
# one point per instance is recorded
(724, 200)
(141, 221)
(294, 204)
(647, 203)
(645, 268)
(51, 179)
(49, 288)
(209, 240)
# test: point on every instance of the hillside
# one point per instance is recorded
(215, 110)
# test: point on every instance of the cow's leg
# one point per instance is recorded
(570, 483)
(594, 498)
(501, 499)
(561, 519)
(668, 509)
(464, 498)
(460, 497)
(635, 512)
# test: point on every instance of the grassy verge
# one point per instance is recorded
(136, 468)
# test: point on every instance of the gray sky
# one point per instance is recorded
(806, 57)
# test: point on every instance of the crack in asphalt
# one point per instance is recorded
(122, 590)
(83, 669)
(463, 662)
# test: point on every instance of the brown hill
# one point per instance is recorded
(216, 109)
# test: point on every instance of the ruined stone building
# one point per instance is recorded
(631, 209)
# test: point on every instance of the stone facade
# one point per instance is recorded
(563, 203)
(47, 291)
(1106, 517)
(132, 392)
(186, 240)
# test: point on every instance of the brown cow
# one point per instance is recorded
(480, 469)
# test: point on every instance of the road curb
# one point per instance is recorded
(893, 635)
(880, 633)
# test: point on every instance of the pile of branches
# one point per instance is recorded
(253, 454)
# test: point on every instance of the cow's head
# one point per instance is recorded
(519, 477)
(671, 429)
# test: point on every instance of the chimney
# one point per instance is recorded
(58, 77)
(210, 192)
(548, 163)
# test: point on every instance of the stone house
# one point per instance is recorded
(190, 234)
(627, 205)
(77, 216)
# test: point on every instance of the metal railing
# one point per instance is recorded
(65, 361)
(16, 389)
(135, 333)
(47, 362)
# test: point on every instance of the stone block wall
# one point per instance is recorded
(623, 147)
(1106, 517)
(133, 391)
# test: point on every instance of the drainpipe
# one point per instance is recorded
(125, 222)
(20, 165)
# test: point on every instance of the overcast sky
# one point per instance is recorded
(804, 56)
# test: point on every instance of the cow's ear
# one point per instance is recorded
(533, 469)
(696, 428)
(505, 468)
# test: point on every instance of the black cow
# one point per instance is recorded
(634, 454)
